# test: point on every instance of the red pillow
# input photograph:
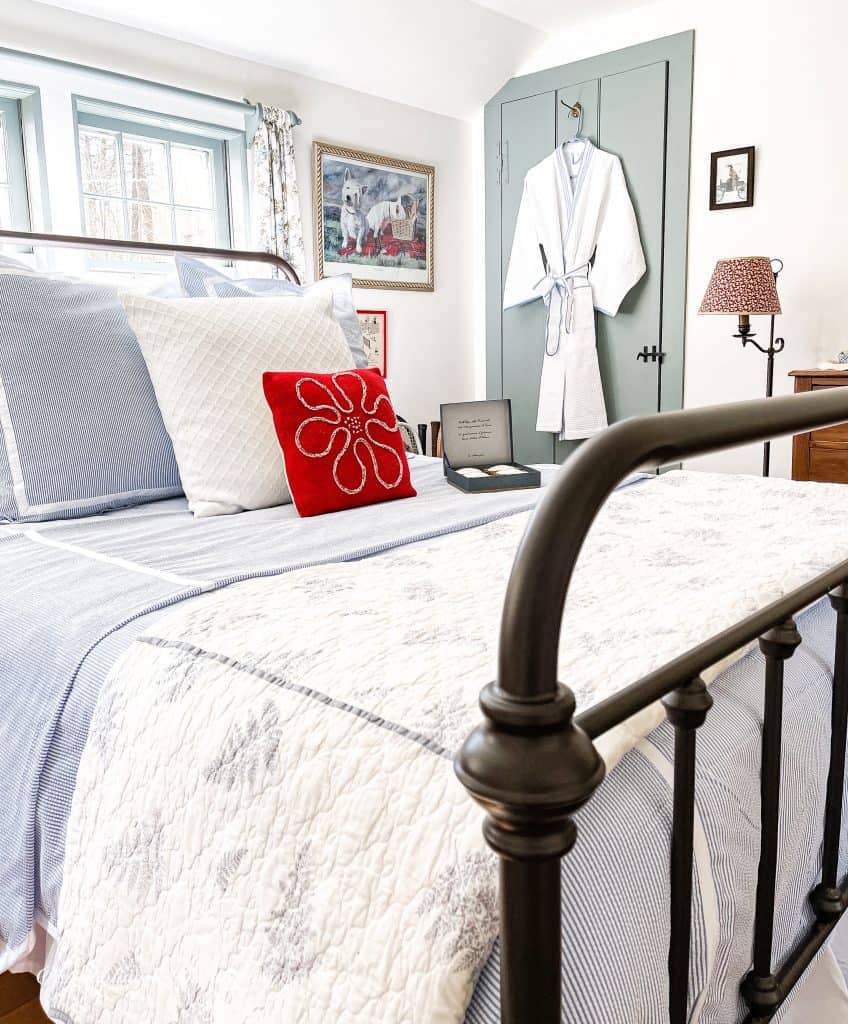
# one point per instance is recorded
(340, 439)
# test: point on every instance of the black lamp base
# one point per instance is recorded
(775, 346)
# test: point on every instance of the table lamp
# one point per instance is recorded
(747, 287)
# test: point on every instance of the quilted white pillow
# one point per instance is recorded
(206, 358)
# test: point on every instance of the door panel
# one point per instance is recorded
(588, 93)
(633, 127)
(527, 135)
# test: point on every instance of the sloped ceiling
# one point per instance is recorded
(556, 15)
(448, 56)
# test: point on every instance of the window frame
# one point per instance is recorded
(16, 164)
(146, 124)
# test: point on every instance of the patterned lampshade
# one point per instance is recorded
(743, 286)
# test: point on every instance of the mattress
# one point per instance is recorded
(137, 565)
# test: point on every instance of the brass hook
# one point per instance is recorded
(575, 110)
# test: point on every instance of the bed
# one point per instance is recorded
(228, 745)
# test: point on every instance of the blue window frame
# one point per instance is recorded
(14, 202)
(150, 182)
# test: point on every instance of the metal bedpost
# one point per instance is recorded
(827, 897)
(687, 708)
(760, 988)
(530, 767)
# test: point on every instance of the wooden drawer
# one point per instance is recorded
(829, 464)
(832, 434)
(823, 454)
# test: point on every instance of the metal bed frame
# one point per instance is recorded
(36, 238)
(533, 762)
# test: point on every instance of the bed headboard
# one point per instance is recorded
(162, 248)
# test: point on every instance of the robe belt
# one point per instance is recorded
(564, 284)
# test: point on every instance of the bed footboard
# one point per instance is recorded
(533, 762)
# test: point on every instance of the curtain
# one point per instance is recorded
(275, 201)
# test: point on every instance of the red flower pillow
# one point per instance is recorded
(340, 439)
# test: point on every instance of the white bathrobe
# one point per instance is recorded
(575, 204)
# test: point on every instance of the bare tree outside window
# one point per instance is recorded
(147, 189)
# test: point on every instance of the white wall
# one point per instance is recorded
(768, 73)
(429, 348)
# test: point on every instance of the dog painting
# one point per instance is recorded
(373, 218)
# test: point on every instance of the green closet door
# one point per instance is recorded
(528, 131)
(633, 120)
(637, 103)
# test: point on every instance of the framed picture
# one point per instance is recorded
(732, 178)
(373, 324)
(373, 218)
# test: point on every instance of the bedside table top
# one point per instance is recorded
(820, 373)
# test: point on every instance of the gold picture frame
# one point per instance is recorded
(368, 218)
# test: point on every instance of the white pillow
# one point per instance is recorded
(206, 358)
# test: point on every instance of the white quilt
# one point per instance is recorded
(267, 826)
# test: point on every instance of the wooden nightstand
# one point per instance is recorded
(823, 454)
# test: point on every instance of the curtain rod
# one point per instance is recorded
(242, 104)
(257, 109)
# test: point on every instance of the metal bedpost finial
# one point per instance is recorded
(529, 766)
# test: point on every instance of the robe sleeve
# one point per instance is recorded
(619, 261)
(525, 261)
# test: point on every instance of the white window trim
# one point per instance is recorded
(31, 203)
(51, 153)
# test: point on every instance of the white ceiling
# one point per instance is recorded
(555, 15)
(448, 56)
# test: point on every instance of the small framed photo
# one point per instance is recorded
(373, 218)
(373, 324)
(732, 178)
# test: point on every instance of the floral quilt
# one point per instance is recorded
(267, 825)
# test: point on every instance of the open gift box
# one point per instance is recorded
(477, 448)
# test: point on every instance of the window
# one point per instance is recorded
(14, 207)
(152, 184)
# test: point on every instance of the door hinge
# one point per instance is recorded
(502, 163)
(655, 355)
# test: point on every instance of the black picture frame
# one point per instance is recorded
(744, 188)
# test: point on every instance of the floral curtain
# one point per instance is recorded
(276, 202)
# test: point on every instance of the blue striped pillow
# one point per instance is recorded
(80, 429)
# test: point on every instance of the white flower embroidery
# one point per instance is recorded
(356, 424)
